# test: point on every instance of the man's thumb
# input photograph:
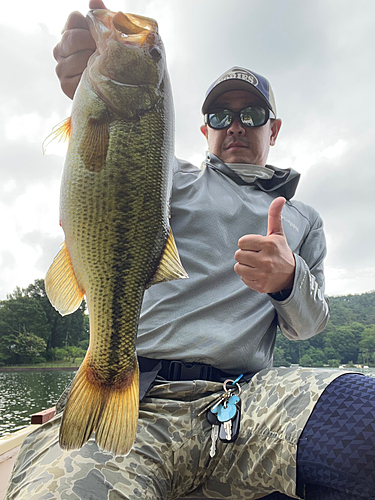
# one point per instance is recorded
(275, 225)
(96, 4)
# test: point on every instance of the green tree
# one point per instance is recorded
(368, 338)
(64, 330)
(280, 358)
(75, 352)
(367, 345)
(306, 360)
(19, 314)
(30, 310)
(343, 341)
(347, 309)
(334, 363)
(291, 350)
(28, 346)
(317, 356)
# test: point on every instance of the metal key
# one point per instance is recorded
(226, 414)
(223, 414)
(234, 427)
(228, 429)
(214, 438)
(215, 425)
(214, 403)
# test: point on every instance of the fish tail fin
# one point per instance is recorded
(109, 410)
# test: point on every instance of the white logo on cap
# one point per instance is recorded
(239, 75)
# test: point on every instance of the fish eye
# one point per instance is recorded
(155, 53)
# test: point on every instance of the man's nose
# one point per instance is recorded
(236, 128)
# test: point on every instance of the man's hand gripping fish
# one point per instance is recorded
(115, 215)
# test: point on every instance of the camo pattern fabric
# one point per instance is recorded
(170, 457)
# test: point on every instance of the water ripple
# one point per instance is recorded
(25, 393)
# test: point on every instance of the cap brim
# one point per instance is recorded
(227, 86)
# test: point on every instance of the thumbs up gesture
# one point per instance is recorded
(266, 263)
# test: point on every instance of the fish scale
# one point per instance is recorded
(125, 217)
(115, 216)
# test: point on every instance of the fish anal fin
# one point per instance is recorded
(61, 132)
(94, 145)
(170, 267)
(109, 410)
(61, 284)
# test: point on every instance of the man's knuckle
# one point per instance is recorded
(57, 51)
(59, 71)
(75, 19)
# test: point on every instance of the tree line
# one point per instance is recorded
(32, 331)
(349, 337)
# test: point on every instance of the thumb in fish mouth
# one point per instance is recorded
(96, 4)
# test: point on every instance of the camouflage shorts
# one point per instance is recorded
(170, 457)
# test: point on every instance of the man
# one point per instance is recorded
(220, 324)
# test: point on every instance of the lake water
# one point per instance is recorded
(25, 393)
(28, 392)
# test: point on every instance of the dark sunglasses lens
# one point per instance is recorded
(220, 119)
(253, 116)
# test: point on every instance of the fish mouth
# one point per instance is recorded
(129, 53)
(129, 29)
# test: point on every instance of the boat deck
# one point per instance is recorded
(11, 443)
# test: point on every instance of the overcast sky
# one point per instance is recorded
(319, 57)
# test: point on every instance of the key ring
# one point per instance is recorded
(229, 390)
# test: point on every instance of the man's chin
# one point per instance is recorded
(236, 155)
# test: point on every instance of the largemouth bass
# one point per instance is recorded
(114, 212)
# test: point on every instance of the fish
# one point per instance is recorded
(114, 211)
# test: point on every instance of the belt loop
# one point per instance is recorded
(174, 372)
(206, 372)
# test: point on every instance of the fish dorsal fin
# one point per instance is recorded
(94, 145)
(61, 133)
(170, 267)
(61, 284)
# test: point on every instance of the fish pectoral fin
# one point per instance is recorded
(61, 133)
(94, 145)
(61, 284)
(109, 410)
(170, 267)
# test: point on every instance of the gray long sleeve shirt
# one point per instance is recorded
(213, 317)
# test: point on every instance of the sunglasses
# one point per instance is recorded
(251, 116)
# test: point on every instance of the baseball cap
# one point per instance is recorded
(240, 79)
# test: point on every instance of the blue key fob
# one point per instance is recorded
(226, 413)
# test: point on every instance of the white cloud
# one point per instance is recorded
(335, 151)
(30, 127)
(342, 281)
(316, 54)
(36, 210)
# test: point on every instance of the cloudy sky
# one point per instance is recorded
(319, 56)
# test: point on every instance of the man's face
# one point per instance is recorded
(237, 143)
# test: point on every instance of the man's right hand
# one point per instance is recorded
(74, 49)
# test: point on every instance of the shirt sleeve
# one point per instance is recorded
(305, 312)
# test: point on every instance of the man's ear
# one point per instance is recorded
(204, 130)
(275, 128)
